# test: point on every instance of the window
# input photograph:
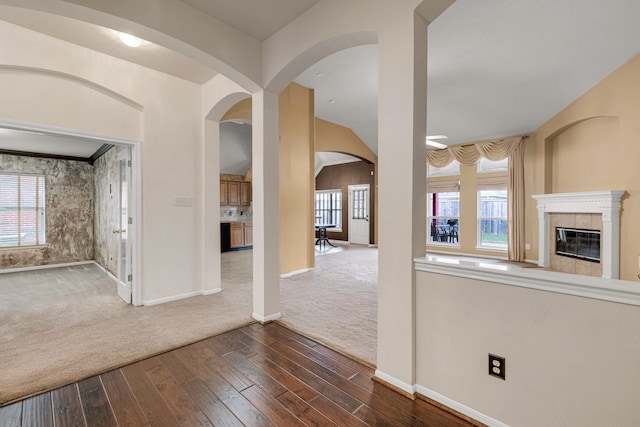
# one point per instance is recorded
(492, 219)
(451, 169)
(329, 208)
(443, 216)
(486, 165)
(22, 210)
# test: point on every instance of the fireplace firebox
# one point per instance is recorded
(580, 244)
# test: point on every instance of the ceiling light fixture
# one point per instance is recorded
(435, 144)
(129, 40)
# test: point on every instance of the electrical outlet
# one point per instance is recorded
(527, 246)
(497, 366)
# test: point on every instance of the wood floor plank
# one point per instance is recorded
(153, 405)
(180, 372)
(285, 332)
(303, 410)
(37, 411)
(236, 402)
(210, 405)
(237, 379)
(270, 407)
(11, 415)
(123, 402)
(67, 408)
(259, 377)
(95, 405)
(328, 390)
(345, 360)
(258, 334)
(329, 363)
(284, 377)
(335, 413)
(176, 398)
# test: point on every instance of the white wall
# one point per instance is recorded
(48, 81)
(570, 361)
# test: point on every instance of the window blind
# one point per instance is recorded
(22, 210)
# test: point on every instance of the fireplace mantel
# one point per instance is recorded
(606, 203)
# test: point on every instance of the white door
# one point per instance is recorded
(359, 214)
(123, 232)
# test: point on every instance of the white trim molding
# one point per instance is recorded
(400, 385)
(606, 203)
(267, 319)
(42, 267)
(295, 273)
(459, 407)
(211, 291)
(619, 291)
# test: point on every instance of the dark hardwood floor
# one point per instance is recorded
(256, 376)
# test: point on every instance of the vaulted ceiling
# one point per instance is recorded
(496, 67)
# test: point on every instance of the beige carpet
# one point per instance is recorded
(51, 335)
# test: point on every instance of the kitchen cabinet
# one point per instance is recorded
(233, 193)
(248, 234)
(237, 235)
(223, 193)
(245, 193)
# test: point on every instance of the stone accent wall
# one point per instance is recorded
(106, 175)
(69, 194)
(585, 221)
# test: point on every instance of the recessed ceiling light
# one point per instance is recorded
(129, 40)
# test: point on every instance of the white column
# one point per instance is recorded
(266, 253)
(402, 192)
(210, 164)
(543, 237)
(610, 244)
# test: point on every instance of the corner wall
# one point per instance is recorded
(297, 135)
(592, 145)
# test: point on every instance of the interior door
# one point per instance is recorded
(359, 214)
(124, 231)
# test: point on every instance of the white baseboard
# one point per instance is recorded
(263, 319)
(171, 298)
(42, 267)
(407, 388)
(458, 407)
(211, 291)
(293, 273)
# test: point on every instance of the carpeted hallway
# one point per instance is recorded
(61, 325)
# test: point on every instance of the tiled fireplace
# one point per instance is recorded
(596, 211)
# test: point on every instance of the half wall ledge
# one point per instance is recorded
(600, 288)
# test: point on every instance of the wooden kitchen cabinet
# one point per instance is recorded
(237, 234)
(245, 193)
(248, 234)
(241, 234)
(233, 193)
(223, 193)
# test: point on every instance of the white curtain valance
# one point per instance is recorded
(470, 154)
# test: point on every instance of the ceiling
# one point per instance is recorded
(496, 67)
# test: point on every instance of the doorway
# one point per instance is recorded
(359, 207)
(124, 221)
(50, 145)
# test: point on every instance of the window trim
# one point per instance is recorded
(336, 190)
(38, 208)
(430, 218)
(479, 218)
